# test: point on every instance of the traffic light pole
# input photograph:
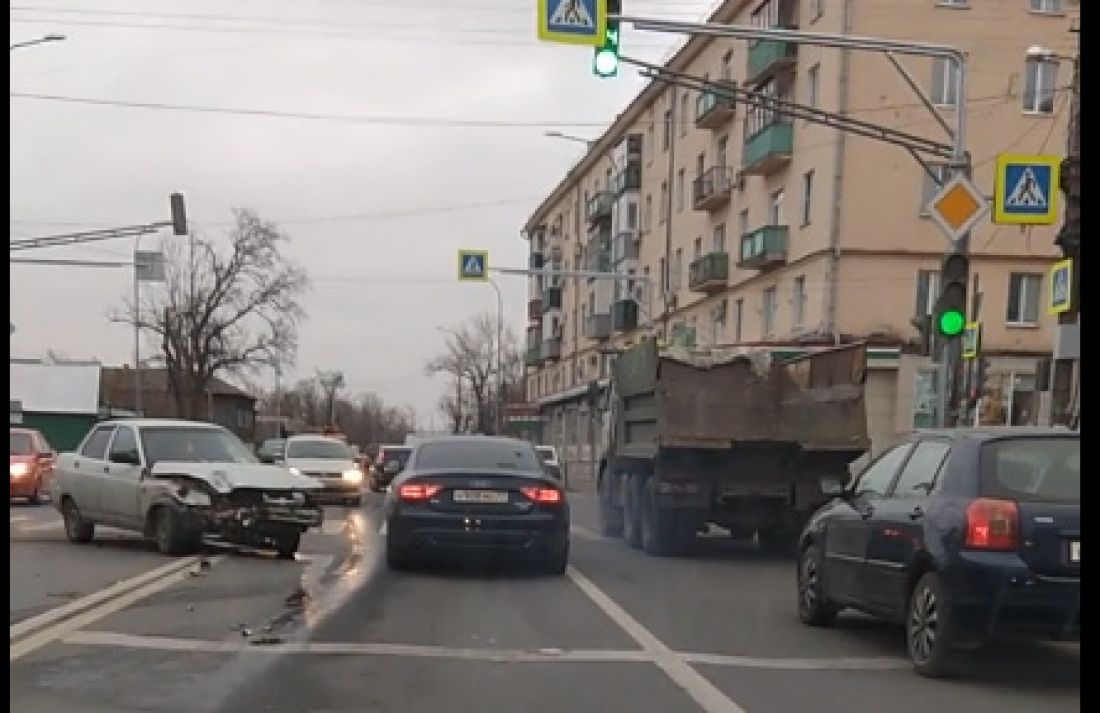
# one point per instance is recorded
(951, 356)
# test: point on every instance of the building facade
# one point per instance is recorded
(734, 225)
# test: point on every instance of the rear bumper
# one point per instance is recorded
(457, 533)
(996, 595)
(23, 487)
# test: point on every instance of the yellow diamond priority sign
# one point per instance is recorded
(957, 207)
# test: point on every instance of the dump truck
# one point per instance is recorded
(728, 437)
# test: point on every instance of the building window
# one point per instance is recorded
(680, 190)
(1039, 78)
(812, 86)
(700, 165)
(925, 399)
(720, 152)
(945, 83)
(719, 243)
(677, 268)
(930, 187)
(817, 9)
(1054, 7)
(664, 276)
(697, 249)
(683, 114)
(631, 215)
(928, 291)
(1023, 298)
(743, 223)
(768, 309)
(799, 300)
(1009, 399)
(953, 3)
(647, 217)
(807, 196)
(738, 317)
(649, 142)
(666, 135)
(727, 66)
(775, 210)
(662, 210)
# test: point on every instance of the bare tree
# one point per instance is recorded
(233, 311)
(331, 382)
(470, 358)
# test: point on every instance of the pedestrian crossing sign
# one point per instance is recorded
(473, 265)
(1026, 190)
(1061, 287)
(972, 340)
(574, 22)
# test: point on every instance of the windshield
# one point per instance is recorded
(1033, 469)
(477, 455)
(193, 445)
(21, 445)
(318, 449)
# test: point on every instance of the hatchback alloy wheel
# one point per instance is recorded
(924, 621)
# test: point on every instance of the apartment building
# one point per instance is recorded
(733, 225)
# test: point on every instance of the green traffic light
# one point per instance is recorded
(952, 322)
(606, 62)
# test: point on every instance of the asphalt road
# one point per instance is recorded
(335, 631)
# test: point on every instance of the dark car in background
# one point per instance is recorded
(481, 495)
(964, 537)
(379, 478)
(272, 450)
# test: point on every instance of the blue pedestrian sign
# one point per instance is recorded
(574, 22)
(1026, 190)
(473, 265)
(1061, 287)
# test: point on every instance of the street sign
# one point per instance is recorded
(1061, 287)
(957, 207)
(473, 265)
(972, 340)
(1026, 190)
(573, 22)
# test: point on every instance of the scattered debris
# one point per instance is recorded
(296, 598)
(266, 640)
(190, 607)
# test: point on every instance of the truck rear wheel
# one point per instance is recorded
(611, 515)
(632, 509)
(666, 531)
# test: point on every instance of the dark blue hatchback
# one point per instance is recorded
(963, 536)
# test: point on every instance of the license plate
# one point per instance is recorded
(1075, 551)
(493, 497)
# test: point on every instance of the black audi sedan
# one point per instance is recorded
(481, 495)
(962, 536)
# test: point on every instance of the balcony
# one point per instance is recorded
(599, 206)
(768, 58)
(534, 309)
(712, 190)
(764, 247)
(551, 348)
(536, 261)
(714, 108)
(625, 247)
(597, 326)
(628, 179)
(769, 149)
(709, 273)
(624, 315)
(551, 299)
(532, 356)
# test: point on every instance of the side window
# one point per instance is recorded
(96, 445)
(124, 443)
(920, 472)
(876, 480)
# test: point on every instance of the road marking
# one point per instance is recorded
(584, 533)
(334, 527)
(851, 663)
(235, 646)
(18, 518)
(702, 691)
(382, 529)
(122, 597)
(42, 526)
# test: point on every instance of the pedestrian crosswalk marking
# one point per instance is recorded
(572, 13)
(1027, 193)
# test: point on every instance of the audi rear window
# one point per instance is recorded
(1032, 469)
(478, 455)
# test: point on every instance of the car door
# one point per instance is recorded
(84, 482)
(897, 527)
(847, 532)
(120, 493)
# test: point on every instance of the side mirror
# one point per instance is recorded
(392, 467)
(832, 487)
(126, 458)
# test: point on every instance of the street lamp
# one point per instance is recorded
(52, 37)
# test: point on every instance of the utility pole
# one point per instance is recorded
(1066, 404)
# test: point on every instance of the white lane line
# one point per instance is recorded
(13, 519)
(583, 532)
(236, 646)
(57, 631)
(382, 529)
(702, 691)
(42, 526)
(48, 617)
(852, 663)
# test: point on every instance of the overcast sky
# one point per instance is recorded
(376, 211)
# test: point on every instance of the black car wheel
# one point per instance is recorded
(611, 515)
(928, 629)
(813, 608)
(557, 559)
(76, 528)
(171, 534)
(287, 543)
(632, 506)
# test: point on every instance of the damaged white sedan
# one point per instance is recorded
(176, 481)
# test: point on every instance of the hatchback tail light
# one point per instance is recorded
(992, 525)
(418, 492)
(546, 496)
